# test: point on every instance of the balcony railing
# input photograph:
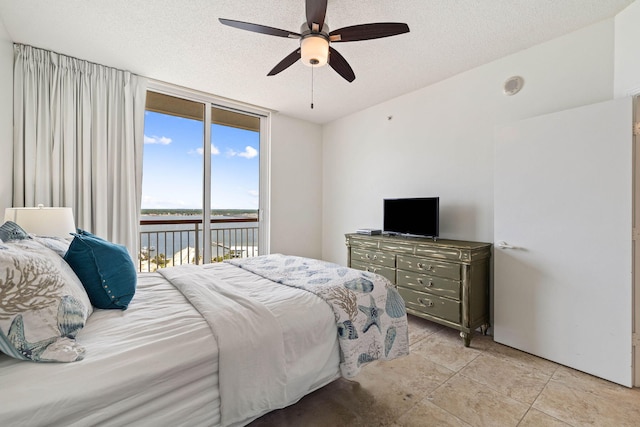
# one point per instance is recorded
(169, 242)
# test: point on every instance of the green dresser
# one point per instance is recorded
(445, 281)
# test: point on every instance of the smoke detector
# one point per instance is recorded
(513, 85)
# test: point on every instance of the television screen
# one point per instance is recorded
(417, 216)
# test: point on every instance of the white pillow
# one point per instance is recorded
(43, 305)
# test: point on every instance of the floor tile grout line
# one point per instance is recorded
(485, 352)
(505, 359)
(426, 396)
(429, 399)
(494, 389)
(524, 416)
(530, 405)
(542, 391)
(546, 384)
(458, 372)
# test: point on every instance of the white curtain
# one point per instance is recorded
(78, 141)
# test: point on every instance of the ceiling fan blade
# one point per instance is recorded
(316, 12)
(288, 61)
(368, 31)
(340, 65)
(257, 28)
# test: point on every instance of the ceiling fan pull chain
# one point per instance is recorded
(312, 87)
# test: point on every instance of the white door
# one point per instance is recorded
(563, 238)
(636, 243)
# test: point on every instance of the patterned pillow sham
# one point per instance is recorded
(42, 304)
(56, 244)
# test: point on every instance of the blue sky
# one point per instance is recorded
(173, 165)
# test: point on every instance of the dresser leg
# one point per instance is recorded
(466, 337)
(484, 328)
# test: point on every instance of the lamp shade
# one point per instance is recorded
(314, 51)
(52, 222)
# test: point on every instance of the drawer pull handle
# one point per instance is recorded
(371, 269)
(421, 282)
(428, 302)
(424, 266)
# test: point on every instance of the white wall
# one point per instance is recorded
(296, 187)
(6, 117)
(627, 51)
(439, 140)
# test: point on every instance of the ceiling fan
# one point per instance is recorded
(315, 39)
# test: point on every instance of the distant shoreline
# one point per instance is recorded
(252, 213)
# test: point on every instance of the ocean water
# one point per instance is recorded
(238, 239)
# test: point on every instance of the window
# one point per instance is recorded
(182, 173)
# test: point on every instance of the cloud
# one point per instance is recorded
(162, 140)
(248, 153)
(254, 193)
(200, 151)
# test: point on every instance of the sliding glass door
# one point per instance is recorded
(200, 153)
(235, 183)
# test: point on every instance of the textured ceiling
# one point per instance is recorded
(182, 42)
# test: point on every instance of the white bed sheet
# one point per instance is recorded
(156, 363)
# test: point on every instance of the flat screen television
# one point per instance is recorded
(416, 216)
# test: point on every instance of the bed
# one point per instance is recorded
(162, 362)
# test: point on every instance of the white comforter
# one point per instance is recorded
(250, 341)
(157, 362)
(371, 318)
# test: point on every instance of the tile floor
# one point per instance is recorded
(442, 383)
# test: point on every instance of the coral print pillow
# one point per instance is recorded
(42, 304)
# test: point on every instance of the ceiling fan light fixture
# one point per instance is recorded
(314, 50)
(315, 38)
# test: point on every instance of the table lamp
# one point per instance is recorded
(41, 221)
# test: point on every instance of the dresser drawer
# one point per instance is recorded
(433, 305)
(373, 257)
(387, 272)
(427, 283)
(432, 267)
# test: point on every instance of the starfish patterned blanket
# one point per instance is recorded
(369, 312)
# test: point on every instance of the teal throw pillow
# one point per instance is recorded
(105, 270)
